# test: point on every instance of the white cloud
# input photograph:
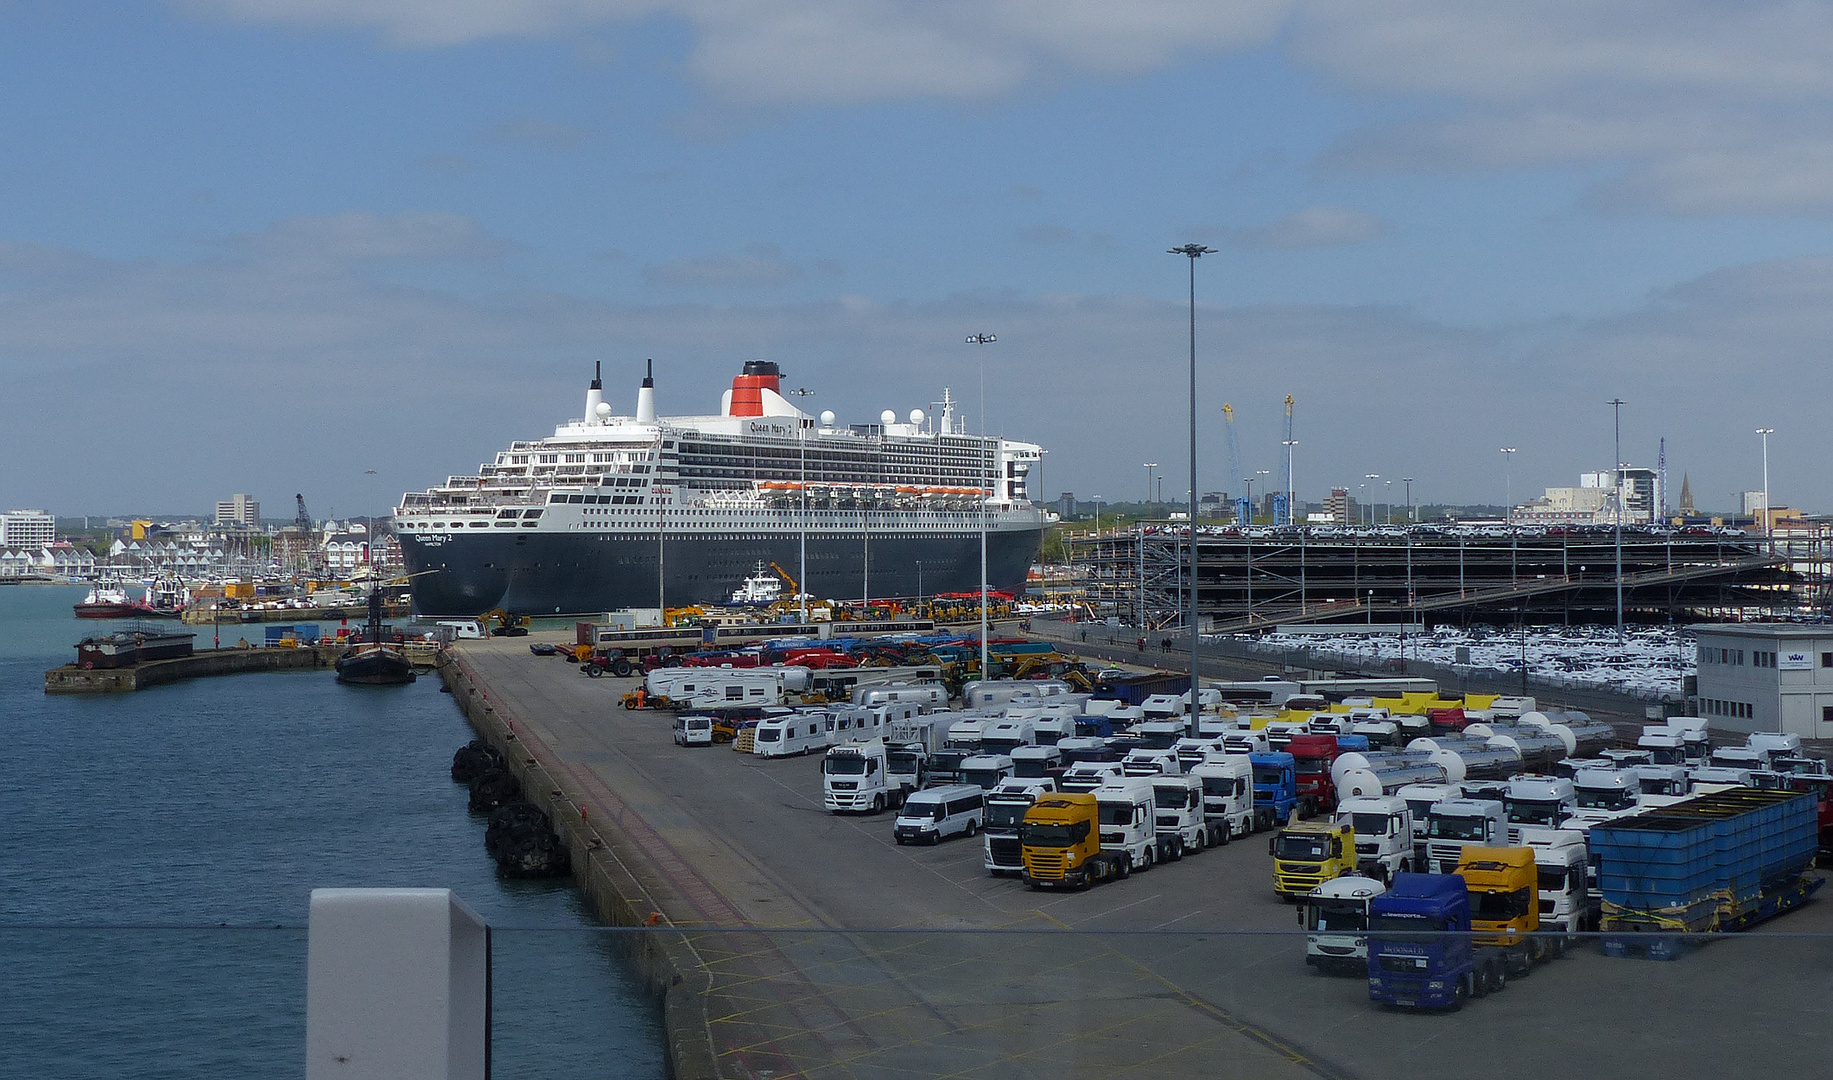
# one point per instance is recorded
(296, 364)
(1699, 106)
(1314, 226)
(761, 266)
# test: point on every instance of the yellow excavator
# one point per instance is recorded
(502, 624)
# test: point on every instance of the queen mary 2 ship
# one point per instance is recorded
(617, 512)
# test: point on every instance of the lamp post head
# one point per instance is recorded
(982, 339)
(1195, 251)
(1766, 431)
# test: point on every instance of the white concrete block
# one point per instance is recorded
(397, 986)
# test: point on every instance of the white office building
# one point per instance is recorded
(238, 510)
(27, 528)
(1766, 677)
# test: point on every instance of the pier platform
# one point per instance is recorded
(71, 679)
(789, 941)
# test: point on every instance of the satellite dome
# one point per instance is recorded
(827, 418)
(603, 410)
(887, 418)
(916, 416)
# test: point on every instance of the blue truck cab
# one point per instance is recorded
(1355, 743)
(1408, 966)
(1275, 788)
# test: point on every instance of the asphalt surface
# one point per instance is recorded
(870, 959)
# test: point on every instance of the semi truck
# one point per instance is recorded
(1275, 788)
(1308, 853)
(1129, 822)
(1006, 806)
(1709, 864)
(1312, 756)
(1228, 796)
(1436, 940)
(1567, 902)
(1179, 819)
(1383, 826)
(856, 778)
(1060, 844)
(1335, 918)
(1458, 823)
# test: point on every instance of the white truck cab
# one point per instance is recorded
(1128, 820)
(1192, 752)
(1665, 745)
(1455, 824)
(1420, 799)
(1384, 834)
(1566, 901)
(1601, 794)
(1005, 812)
(1228, 796)
(1089, 775)
(1005, 736)
(1335, 918)
(1179, 819)
(1148, 762)
(1773, 746)
(1036, 762)
(856, 778)
(1244, 742)
(1159, 734)
(985, 771)
(1544, 802)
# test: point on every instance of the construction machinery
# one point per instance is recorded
(504, 624)
(1244, 506)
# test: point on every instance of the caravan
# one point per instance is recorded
(797, 733)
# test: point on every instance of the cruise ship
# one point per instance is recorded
(614, 512)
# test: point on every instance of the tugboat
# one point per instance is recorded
(759, 590)
(108, 600)
(375, 662)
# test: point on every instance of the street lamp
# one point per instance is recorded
(1508, 506)
(1150, 465)
(1249, 481)
(1388, 518)
(1408, 481)
(1263, 490)
(1768, 519)
(1096, 499)
(986, 495)
(1193, 252)
(802, 484)
(1291, 502)
(1371, 507)
(1616, 481)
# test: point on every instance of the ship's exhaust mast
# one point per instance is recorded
(595, 395)
(646, 395)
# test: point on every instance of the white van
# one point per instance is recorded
(693, 730)
(797, 733)
(933, 815)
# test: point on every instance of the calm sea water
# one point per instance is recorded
(151, 843)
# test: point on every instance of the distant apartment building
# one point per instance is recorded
(238, 510)
(1341, 507)
(1590, 503)
(27, 528)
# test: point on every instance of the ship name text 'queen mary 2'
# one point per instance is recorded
(615, 512)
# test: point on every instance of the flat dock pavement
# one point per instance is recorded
(792, 942)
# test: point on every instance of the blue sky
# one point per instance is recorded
(266, 245)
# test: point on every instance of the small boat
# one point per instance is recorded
(134, 645)
(375, 662)
(761, 588)
(108, 600)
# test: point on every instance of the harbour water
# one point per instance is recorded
(157, 850)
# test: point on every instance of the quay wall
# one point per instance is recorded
(71, 679)
(623, 887)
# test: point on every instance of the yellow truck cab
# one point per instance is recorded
(1308, 853)
(1503, 884)
(1060, 843)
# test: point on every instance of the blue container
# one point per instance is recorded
(1713, 854)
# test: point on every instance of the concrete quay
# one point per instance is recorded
(788, 941)
(71, 679)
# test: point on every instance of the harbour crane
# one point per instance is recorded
(1244, 507)
(302, 520)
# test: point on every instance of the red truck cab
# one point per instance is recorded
(1312, 757)
(1446, 721)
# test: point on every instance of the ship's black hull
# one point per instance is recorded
(374, 665)
(576, 573)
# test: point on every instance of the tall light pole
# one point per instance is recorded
(981, 340)
(1150, 465)
(1508, 506)
(802, 484)
(1193, 252)
(1616, 482)
(1291, 498)
(1263, 491)
(1096, 499)
(1408, 481)
(1388, 517)
(1249, 481)
(1768, 520)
